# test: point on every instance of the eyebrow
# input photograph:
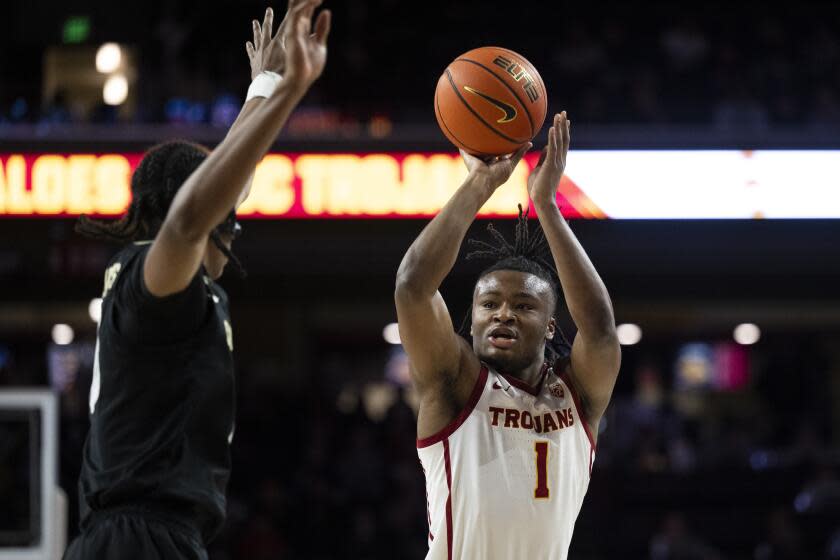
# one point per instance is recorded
(525, 295)
(490, 293)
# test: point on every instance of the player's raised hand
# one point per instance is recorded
(545, 178)
(496, 170)
(306, 44)
(267, 52)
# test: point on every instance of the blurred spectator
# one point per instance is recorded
(57, 112)
(782, 539)
(685, 45)
(735, 70)
(821, 494)
(224, 111)
(825, 108)
(675, 542)
(739, 109)
(832, 549)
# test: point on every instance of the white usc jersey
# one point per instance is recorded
(506, 479)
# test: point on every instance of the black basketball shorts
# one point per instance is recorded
(135, 535)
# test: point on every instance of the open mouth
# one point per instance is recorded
(502, 337)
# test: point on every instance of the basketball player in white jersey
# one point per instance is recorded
(507, 425)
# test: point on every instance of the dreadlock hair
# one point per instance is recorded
(162, 171)
(526, 254)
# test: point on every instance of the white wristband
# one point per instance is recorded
(263, 85)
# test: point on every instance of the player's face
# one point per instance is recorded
(511, 319)
(214, 259)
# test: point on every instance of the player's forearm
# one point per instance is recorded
(249, 107)
(586, 295)
(214, 188)
(433, 253)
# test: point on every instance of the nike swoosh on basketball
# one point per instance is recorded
(508, 110)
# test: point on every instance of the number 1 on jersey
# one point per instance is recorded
(541, 456)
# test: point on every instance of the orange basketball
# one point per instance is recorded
(489, 101)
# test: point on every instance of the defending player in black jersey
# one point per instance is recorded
(157, 461)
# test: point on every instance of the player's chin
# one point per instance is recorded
(501, 359)
(218, 268)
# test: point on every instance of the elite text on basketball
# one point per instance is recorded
(518, 73)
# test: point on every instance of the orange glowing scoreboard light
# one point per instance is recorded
(292, 185)
(624, 184)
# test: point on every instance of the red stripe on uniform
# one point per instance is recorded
(428, 513)
(565, 377)
(448, 464)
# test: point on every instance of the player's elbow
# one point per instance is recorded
(410, 284)
(405, 287)
(602, 337)
(602, 329)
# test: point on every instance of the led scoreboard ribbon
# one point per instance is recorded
(598, 184)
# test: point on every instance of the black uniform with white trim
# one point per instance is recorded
(157, 457)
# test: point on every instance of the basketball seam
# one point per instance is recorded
(455, 136)
(510, 89)
(467, 105)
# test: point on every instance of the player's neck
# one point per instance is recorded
(530, 375)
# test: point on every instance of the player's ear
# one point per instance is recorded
(550, 329)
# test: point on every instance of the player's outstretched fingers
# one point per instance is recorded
(322, 27)
(520, 153)
(565, 132)
(309, 8)
(257, 34)
(300, 17)
(281, 29)
(268, 24)
(552, 142)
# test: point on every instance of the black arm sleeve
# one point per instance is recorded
(147, 319)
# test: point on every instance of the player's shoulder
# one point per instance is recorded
(563, 370)
(119, 264)
(129, 252)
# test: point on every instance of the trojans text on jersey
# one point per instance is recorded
(525, 420)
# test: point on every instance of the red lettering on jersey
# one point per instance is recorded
(511, 418)
(562, 418)
(496, 411)
(548, 420)
(540, 423)
(530, 423)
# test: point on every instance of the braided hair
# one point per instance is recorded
(155, 182)
(162, 171)
(526, 254)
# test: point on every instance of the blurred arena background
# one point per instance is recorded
(706, 170)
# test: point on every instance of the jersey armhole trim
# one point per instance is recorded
(450, 428)
(564, 376)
